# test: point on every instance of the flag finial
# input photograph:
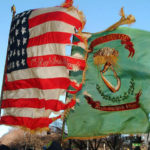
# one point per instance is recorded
(13, 10)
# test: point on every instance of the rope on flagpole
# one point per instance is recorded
(13, 10)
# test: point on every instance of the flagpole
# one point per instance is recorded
(13, 10)
(63, 126)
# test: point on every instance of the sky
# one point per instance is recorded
(100, 14)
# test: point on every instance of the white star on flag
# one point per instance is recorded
(23, 62)
(10, 53)
(23, 30)
(17, 63)
(18, 42)
(18, 53)
(18, 21)
(16, 32)
(22, 14)
(23, 20)
(23, 51)
(14, 53)
(28, 11)
(11, 41)
(13, 28)
(24, 41)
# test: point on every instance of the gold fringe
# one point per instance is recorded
(95, 137)
(25, 129)
(33, 131)
(37, 130)
(85, 138)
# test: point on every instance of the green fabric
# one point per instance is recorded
(86, 121)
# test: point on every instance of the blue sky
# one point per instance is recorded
(100, 14)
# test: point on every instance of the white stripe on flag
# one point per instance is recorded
(37, 12)
(39, 72)
(27, 112)
(33, 93)
(51, 26)
(50, 49)
(46, 49)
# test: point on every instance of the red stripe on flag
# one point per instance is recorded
(54, 105)
(55, 16)
(32, 123)
(50, 37)
(56, 60)
(71, 62)
(53, 83)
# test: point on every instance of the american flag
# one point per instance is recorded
(37, 66)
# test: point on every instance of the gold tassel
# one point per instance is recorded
(124, 20)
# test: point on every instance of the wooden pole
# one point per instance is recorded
(13, 10)
(62, 130)
(63, 126)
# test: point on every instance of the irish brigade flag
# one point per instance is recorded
(115, 96)
(37, 71)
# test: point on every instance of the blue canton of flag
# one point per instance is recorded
(18, 40)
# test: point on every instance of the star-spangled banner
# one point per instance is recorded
(38, 68)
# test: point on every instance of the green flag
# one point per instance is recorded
(115, 97)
